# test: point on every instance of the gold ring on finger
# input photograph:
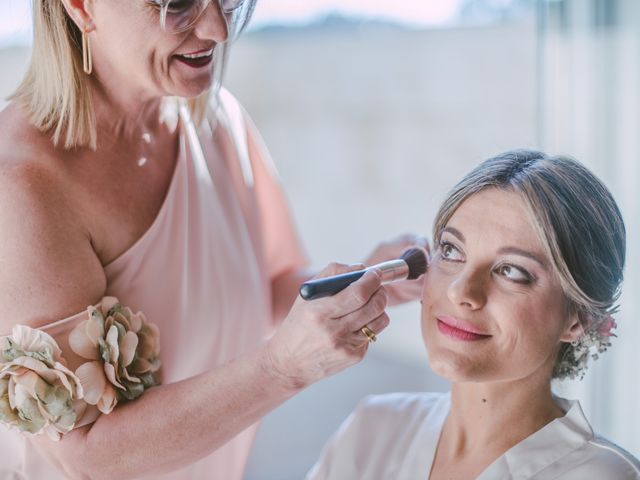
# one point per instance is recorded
(370, 334)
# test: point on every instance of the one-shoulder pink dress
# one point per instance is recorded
(201, 273)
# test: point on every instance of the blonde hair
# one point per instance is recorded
(55, 90)
(575, 217)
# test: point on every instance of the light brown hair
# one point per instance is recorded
(577, 221)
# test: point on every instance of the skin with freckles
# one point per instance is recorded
(73, 211)
(134, 67)
(493, 319)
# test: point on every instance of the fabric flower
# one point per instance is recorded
(608, 324)
(124, 354)
(38, 392)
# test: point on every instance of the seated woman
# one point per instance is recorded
(521, 286)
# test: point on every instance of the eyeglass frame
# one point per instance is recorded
(164, 4)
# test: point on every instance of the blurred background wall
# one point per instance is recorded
(372, 112)
(589, 106)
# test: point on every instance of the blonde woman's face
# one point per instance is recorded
(493, 309)
(131, 51)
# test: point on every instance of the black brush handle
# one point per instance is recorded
(325, 287)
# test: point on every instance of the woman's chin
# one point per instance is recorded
(191, 90)
(191, 86)
(454, 367)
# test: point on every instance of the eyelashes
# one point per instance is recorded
(515, 274)
(448, 252)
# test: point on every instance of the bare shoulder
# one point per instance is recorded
(48, 269)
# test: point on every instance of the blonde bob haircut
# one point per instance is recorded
(55, 91)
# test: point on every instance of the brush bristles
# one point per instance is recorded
(416, 260)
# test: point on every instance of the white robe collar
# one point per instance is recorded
(552, 442)
(539, 450)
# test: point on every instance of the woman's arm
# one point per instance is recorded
(284, 251)
(49, 271)
(284, 254)
(285, 289)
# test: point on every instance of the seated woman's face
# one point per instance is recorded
(493, 309)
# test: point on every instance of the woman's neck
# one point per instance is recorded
(495, 416)
(124, 118)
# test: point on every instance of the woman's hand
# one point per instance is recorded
(407, 290)
(322, 337)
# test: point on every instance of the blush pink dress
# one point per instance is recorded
(201, 273)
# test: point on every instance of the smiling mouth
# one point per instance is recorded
(197, 59)
(459, 333)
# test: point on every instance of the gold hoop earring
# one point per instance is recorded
(87, 66)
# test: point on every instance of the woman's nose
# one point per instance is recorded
(468, 290)
(212, 24)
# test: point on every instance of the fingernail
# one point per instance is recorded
(377, 271)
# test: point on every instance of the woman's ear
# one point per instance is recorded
(574, 328)
(81, 12)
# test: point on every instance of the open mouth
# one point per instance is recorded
(197, 59)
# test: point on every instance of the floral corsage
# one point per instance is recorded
(37, 390)
(40, 394)
(124, 353)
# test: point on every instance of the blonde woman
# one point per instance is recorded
(528, 257)
(147, 252)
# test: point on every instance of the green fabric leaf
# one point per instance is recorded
(7, 415)
(45, 357)
(121, 330)
(132, 390)
(115, 309)
(104, 350)
(31, 419)
(57, 401)
(149, 380)
(12, 352)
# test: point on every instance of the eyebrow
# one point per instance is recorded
(523, 253)
(503, 251)
(455, 232)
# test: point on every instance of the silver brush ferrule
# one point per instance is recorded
(392, 270)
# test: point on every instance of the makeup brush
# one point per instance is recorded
(409, 266)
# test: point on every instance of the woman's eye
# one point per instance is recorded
(180, 5)
(514, 273)
(172, 6)
(449, 252)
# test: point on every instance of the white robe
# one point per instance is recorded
(394, 437)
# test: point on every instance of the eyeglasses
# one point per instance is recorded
(177, 16)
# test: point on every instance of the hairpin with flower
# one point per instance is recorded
(595, 341)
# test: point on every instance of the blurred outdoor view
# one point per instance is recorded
(372, 110)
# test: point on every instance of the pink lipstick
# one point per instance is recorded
(460, 330)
